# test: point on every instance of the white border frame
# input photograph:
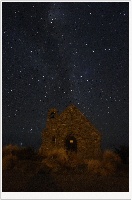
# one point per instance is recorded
(75, 195)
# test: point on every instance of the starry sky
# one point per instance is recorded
(59, 53)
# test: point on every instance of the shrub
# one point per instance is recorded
(111, 162)
(8, 162)
(58, 155)
(74, 161)
(59, 159)
(110, 156)
(94, 166)
(107, 166)
(55, 159)
(10, 150)
(22, 153)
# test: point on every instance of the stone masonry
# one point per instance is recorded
(73, 132)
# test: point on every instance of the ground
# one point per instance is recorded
(25, 180)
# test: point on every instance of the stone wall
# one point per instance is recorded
(73, 122)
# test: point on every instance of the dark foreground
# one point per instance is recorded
(63, 181)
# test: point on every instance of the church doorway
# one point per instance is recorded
(71, 143)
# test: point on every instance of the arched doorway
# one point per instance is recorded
(71, 143)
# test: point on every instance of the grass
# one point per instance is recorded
(63, 181)
(62, 171)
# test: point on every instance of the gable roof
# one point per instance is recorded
(74, 114)
(71, 110)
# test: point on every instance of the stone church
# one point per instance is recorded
(73, 132)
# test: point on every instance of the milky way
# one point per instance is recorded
(55, 54)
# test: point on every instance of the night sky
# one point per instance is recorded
(57, 54)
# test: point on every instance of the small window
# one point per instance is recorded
(53, 139)
(52, 115)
